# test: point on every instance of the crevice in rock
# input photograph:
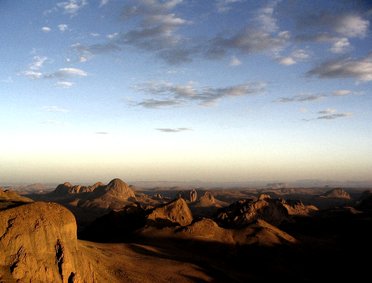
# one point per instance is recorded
(10, 224)
(71, 278)
(59, 257)
(16, 259)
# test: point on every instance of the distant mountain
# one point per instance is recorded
(337, 193)
(114, 195)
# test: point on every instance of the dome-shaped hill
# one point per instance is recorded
(206, 229)
(118, 189)
(262, 233)
(175, 212)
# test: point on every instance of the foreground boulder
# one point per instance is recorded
(38, 243)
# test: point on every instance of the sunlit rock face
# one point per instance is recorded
(175, 212)
(38, 243)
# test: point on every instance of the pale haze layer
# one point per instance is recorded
(222, 91)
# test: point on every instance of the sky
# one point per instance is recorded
(222, 91)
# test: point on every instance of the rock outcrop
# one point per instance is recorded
(38, 243)
(114, 195)
(175, 212)
(297, 208)
(68, 189)
(116, 189)
(193, 195)
(244, 212)
(207, 200)
(337, 193)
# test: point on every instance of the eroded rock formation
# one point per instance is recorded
(38, 243)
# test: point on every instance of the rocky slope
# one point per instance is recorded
(10, 199)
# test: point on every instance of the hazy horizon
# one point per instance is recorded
(217, 91)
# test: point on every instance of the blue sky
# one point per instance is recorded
(224, 90)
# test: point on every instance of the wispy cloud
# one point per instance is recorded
(112, 35)
(62, 75)
(67, 73)
(54, 109)
(342, 92)
(351, 25)
(225, 5)
(249, 40)
(261, 34)
(173, 130)
(340, 45)
(46, 29)
(335, 29)
(294, 57)
(62, 27)
(182, 94)
(158, 25)
(33, 71)
(86, 52)
(331, 114)
(234, 61)
(64, 84)
(157, 29)
(359, 69)
(101, 133)
(348, 25)
(72, 6)
(37, 63)
(103, 2)
(157, 103)
(33, 74)
(301, 98)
